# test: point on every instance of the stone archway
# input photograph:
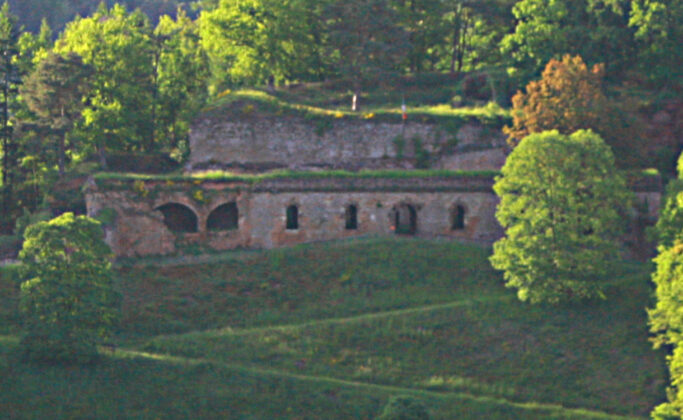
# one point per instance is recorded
(179, 218)
(404, 219)
(223, 217)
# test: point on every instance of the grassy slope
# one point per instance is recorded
(332, 331)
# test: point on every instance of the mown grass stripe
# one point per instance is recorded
(331, 321)
(363, 385)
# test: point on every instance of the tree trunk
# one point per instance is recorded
(103, 158)
(456, 40)
(463, 40)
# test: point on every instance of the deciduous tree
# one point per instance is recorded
(364, 41)
(659, 31)
(182, 73)
(259, 41)
(545, 29)
(665, 321)
(567, 98)
(570, 97)
(68, 301)
(116, 45)
(667, 325)
(562, 206)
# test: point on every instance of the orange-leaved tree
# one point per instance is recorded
(568, 98)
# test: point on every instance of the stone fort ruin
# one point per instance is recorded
(354, 178)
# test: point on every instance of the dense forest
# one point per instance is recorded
(84, 81)
(59, 12)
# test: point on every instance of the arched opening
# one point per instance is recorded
(292, 217)
(458, 218)
(179, 218)
(405, 219)
(223, 217)
(351, 217)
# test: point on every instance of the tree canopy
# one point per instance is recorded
(68, 301)
(562, 206)
(569, 97)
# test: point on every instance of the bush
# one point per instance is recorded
(68, 303)
(404, 407)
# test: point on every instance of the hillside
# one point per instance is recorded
(334, 330)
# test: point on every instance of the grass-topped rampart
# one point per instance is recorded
(645, 180)
(224, 176)
(252, 103)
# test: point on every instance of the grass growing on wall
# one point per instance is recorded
(227, 176)
(333, 330)
(249, 103)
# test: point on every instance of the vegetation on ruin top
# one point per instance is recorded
(330, 101)
(226, 176)
(647, 177)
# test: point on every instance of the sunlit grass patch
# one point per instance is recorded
(593, 355)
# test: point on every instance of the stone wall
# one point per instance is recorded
(139, 227)
(266, 143)
(140, 230)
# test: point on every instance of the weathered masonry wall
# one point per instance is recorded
(459, 208)
(268, 142)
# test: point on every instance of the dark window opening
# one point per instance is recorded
(458, 222)
(292, 217)
(223, 217)
(405, 220)
(351, 217)
(179, 218)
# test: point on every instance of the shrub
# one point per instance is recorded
(68, 303)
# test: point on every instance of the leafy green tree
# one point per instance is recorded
(664, 319)
(69, 303)
(423, 23)
(54, 92)
(659, 31)
(182, 73)
(669, 227)
(259, 41)
(116, 45)
(562, 207)
(473, 30)
(33, 48)
(667, 325)
(539, 34)
(364, 41)
(597, 30)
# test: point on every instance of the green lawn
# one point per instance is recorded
(334, 330)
